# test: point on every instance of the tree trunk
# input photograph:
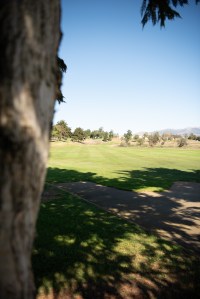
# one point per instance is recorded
(29, 39)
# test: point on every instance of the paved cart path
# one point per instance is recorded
(173, 214)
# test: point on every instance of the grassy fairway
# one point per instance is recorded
(83, 252)
(130, 168)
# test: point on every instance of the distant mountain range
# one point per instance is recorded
(187, 131)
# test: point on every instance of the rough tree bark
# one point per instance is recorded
(29, 40)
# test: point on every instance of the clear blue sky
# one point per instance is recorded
(121, 76)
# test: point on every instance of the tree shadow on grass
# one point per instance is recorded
(75, 244)
(172, 211)
(176, 211)
(156, 178)
(82, 250)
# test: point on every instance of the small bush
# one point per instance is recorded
(140, 141)
(181, 142)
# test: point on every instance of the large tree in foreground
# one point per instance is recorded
(29, 40)
(29, 80)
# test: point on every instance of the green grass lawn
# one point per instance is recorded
(85, 252)
(130, 168)
(82, 252)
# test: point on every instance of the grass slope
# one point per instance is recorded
(83, 252)
(153, 169)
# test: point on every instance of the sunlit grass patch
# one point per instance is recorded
(138, 169)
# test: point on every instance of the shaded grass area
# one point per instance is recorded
(153, 169)
(81, 250)
(153, 179)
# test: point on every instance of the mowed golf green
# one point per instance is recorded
(127, 168)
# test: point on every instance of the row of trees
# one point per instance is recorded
(156, 138)
(193, 137)
(152, 139)
(61, 131)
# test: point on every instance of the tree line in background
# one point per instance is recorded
(153, 139)
(62, 132)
